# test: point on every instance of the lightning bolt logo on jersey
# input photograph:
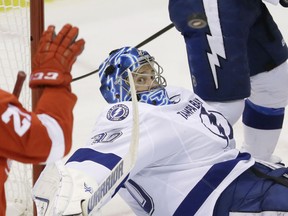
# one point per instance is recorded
(232, 48)
(215, 39)
(217, 124)
(214, 121)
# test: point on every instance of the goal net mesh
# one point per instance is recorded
(15, 56)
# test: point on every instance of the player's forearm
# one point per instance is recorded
(58, 103)
(40, 136)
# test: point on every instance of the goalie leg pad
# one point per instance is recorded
(251, 192)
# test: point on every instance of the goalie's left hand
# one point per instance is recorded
(60, 191)
(52, 190)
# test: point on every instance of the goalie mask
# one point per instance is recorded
(149, 83)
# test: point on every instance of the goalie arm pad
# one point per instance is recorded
(60, 190)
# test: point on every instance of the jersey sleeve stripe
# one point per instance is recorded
(108, 160)
(56, 135)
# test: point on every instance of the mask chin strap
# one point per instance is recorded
(138, 97)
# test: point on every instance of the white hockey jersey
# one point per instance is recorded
(186, 155)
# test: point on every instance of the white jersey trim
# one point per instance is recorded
(56, 135)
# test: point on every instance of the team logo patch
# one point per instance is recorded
(118, 112)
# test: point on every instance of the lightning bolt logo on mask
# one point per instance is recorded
(215, 40)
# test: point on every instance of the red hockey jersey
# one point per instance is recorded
(36, 137)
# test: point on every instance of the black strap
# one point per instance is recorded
(279, 179)
(157, 34)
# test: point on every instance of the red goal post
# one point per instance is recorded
(21, 26)
(36, 29)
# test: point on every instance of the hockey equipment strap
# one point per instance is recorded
(149, 39)
(55, 55)
(283, 180)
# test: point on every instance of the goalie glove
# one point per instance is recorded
(60, 191)
(55, 55)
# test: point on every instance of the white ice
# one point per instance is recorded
(110, 24)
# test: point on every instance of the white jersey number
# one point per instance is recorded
(107, 137)
(20, 126)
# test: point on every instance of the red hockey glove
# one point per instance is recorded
(55, 55)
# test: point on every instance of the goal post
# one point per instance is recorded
(21, 26)
(36, 29)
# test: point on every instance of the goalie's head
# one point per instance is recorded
(146, 72)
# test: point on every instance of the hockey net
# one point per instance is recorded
(15, 55)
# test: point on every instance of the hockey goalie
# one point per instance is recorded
(186, 162)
